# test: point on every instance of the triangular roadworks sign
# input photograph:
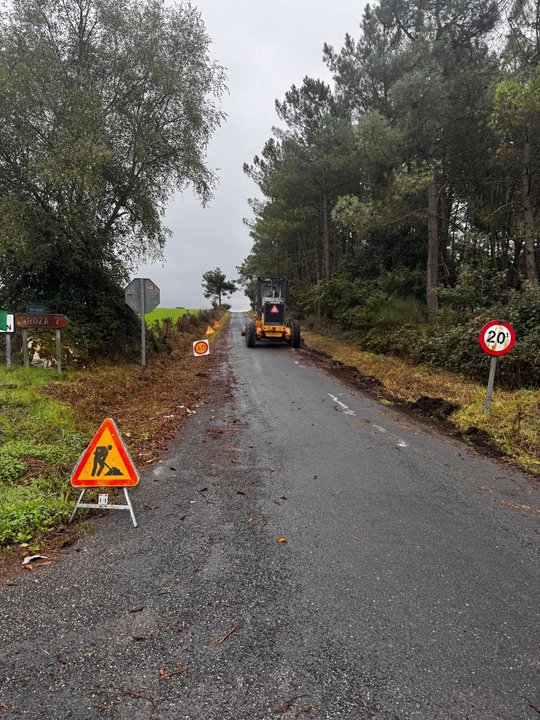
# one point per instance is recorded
(209, 331)
(106, 462)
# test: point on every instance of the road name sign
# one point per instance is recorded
(201, 347)
(497, 338)
(40, 320)
(106, 462)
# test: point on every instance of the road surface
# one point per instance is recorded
(407, 588)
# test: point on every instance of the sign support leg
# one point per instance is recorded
(491, 382)
(107, 506)
(58, 352)
(143, 324)
(26, 361)
(128, 500)
(77, 505)
(8, 350)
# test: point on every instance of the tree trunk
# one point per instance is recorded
(326, 237)
(433, 251)
(446, 211)
(528, 216)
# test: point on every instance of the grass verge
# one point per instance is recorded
(40, 442)
(512, 427)
(46, 422)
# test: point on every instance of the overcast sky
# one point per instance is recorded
(266, 46)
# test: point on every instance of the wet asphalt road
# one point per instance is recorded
(408, 587)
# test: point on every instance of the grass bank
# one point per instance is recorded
(47, 421)
(40, 441)
(512, 427)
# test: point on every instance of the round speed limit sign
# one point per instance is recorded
(201, 347)
(497, 338)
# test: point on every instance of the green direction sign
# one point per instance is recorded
(6, 321)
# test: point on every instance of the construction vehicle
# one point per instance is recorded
(269, 305)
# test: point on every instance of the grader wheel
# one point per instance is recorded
(251, 333)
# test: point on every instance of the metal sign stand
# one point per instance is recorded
(143, 323)
(105, 506)
(8, 350)
(491, 382)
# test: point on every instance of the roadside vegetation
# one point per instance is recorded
(47, 421)
(512, 427)
(82, 199)
(402, 200)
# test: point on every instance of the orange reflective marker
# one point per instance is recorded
(216, 325)
(106, 462)
(209, 331)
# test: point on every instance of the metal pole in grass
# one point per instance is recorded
(496, 338)
(491, 382)
(8, 350)
(143, 323)
(26, 361)
(58, 352)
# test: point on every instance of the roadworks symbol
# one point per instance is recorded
(106, 462)
(209, 331)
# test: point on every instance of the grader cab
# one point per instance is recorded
(270, 308)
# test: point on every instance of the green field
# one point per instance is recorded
(161, 314)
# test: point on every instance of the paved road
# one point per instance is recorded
(408, 587)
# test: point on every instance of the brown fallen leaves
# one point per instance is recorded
(177, 670)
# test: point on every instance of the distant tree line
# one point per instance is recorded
(409, 189)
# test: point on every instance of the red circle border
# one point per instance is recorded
(486, 327)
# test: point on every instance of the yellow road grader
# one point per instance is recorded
(270, 308)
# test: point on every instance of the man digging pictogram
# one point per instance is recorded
(100, 456)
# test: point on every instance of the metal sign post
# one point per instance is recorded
(142, 296)
(496, 338)
(8, 350)
(143, 323)
(491, 383)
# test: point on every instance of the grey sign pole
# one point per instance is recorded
(491, 382)
(143, 323)
(8, 350)
(26, 361)
(58, 352)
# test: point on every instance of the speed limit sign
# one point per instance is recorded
(497, 338)
(201, 347)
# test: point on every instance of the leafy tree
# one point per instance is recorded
(216, 285)
(106, 108)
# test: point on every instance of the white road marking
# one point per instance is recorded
(347, 411)
(345, 408)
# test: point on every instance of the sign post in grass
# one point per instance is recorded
(496, 338)
(142, 296)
